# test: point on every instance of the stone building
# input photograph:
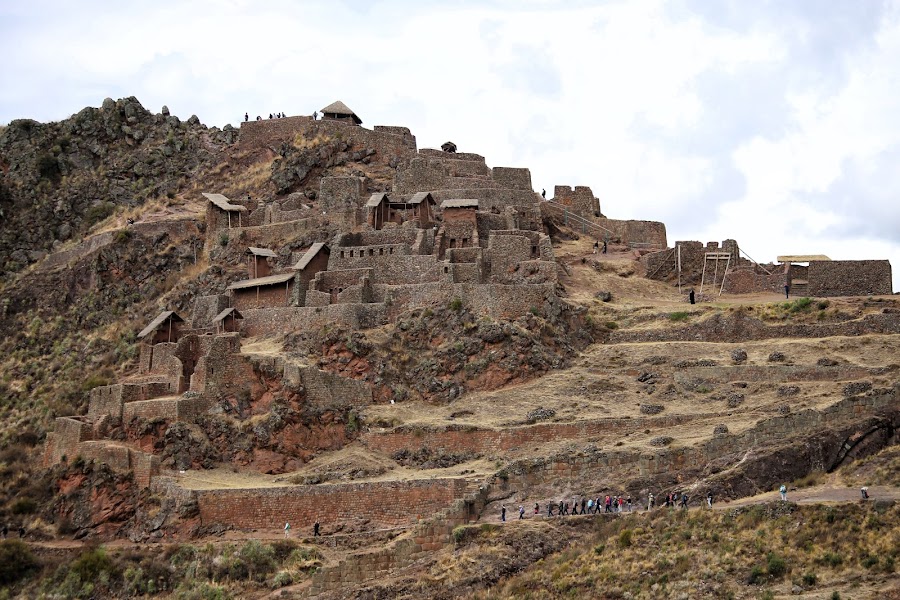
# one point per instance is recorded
(263, 292)
(222, 213)
(166, 327)
(257, 262)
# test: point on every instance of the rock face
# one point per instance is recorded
(58, 179)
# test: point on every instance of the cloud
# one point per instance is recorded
(774, 123)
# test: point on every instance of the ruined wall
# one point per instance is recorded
(580, 199)
(849, 278)
(510, 177)
(489, 198)
(271, 132)
(496, 300)
(337, 194)
(206, 308)
(505, 252)
(383, 504)
(383, 237)
(325, 389)
(287, 319)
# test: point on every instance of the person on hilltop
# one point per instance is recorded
(544, 194)
(315, 115)
(246, 117)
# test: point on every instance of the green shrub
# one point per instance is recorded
(612, 325)
(756, 575)
(259, 559)
(456, 305)
(16, 561)
(625, 538)
(835, 596)
(98, 212)
(91, 564)
(679, 316)
(122, 236)
(809, 579)
(223, 238)
(48, 167)
(23, 506)
(282, 579)
(776, 566)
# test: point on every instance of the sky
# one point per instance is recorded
(775, 123)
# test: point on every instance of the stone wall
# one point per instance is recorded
(326, 389)
(580, 200)
(337, 194)
(510, 177)
(287, 319)
(166, 408)
(849, 278)
(380, 504)
(271, 132)
(279, 294)
(206, 308)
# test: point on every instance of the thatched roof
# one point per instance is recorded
(224, 203)
(460, 203)
(339, 109)
(261, 252)
(792, 258)
(311, 254)
(159, 320)
(261, 281)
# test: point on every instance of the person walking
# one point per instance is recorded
(709, 499)
(684, 501)
(691, 297)
(550, 509)
(787, 290)
(628, 503)
(583, 504)
(783, 491)
(596, 247)
(316, 529)
(650, 501)
(544, 194)
(521, 512)
(503, 514)
(863, 492)
(287, 529)
(537, 509)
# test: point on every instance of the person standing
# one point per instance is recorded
(787, 289)
(544, 194)
(691, 298)
(537, 509)
(287, 529)
(650, 501)
(783, 491)
(316, 529)
(521, 512)
(628, 503)
(246, 117)
(503, 514)
(709, 499)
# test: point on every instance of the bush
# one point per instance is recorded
(679, 316)
(756, 575)
(258, 557)
(223, 239)
(91, 564)
(625, 538)
(16, 561)
(776, 565)
(456, 305)
(23, 506)
(612, 325)
(809, 579)
(98, 212)
(282, 579)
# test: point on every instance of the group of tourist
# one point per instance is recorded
(279, 115)
(5, 531)
(606, 504)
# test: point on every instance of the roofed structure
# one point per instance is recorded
(265, 252)
(224, 203)
(313, 251)
(460, 203)
(226, 321)
(339, 111)
(420, 197)
(448, 147)
(376, 199)
(261, 281)
(792, 258)
(171, 332)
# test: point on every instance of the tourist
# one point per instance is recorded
(709, 499)
(316, 529)
(537, 509)
(628, 503)
(583, 504)
(604, 246)
(607, 503)
(315, 115)
(574, 506)
(561, 508)
(544, 194)
(691, 296)
(787, 289)
(863, 491)
(650, 501)
(246, 117)
(596, 247)
(566, 509)
(258, 118)
(503, 514)
(620, 503)
(287, 529)
(521, 512)
(21, 531)
(783, 491)
(684, 501)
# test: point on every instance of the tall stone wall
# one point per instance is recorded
(326, 389)
(338, 194)
(849, 278)
(382, 504)
(580, 199)
(511, 177)
(279, 294)
(305, 318)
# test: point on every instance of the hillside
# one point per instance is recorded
(395, 343)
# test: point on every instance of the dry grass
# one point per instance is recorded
(254, 177)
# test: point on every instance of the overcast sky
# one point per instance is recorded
(773, 123)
